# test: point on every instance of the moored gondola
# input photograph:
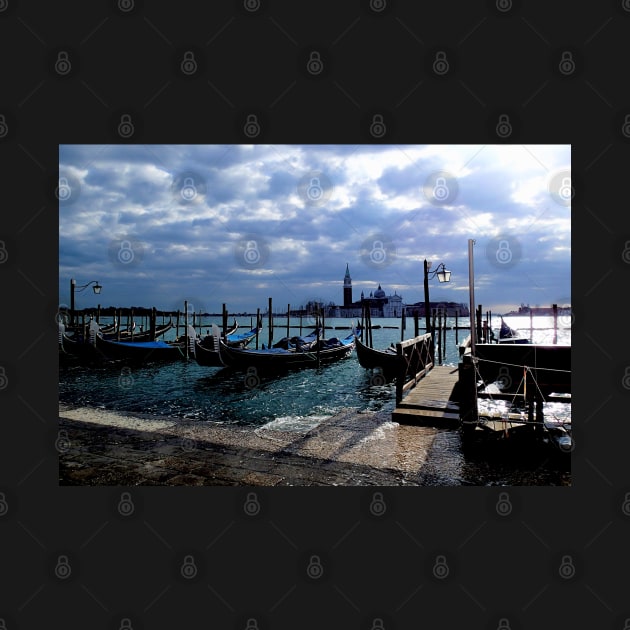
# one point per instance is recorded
(272, 360)
(387, 361)
(509, 335)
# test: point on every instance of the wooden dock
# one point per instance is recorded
(433, 401)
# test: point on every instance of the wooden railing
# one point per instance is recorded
(415, 357)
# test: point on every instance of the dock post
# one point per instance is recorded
(185, 316)
(300, 325)
(400, 377)
(416, 324)
(403, 325)
(270, 322)
(288, 318)
(98, 313)
(555, 323)
(456, 327)
(224, 318)
(118, 323)
(131, 313)
(444, 333)
(439, 335)
(177, 326)
(185, 325)
(257, 325)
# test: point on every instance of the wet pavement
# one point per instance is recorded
(348, 449)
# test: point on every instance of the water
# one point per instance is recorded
(298, 400)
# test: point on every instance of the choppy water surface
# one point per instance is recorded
(298, 400)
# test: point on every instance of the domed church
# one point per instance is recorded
(381, 305)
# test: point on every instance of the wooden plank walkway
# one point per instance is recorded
(433, 401)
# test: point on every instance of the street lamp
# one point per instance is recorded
(73, 287)
(443, 275)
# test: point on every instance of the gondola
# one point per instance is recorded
(273, 360)
(387, 361)
(145, 335)
(206, 350)
(141, 351)
(96, 348)
(509, 335)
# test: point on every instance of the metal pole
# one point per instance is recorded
(427, 309)
(471, 293)
(72, 283)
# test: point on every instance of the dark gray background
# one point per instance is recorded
(377, 58)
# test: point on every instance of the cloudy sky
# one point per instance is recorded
(236, 224)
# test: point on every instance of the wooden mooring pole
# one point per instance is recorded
(456, 327)
(257, 325)
(555, 323)
(270, 322)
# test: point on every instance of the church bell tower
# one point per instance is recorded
(347, 288)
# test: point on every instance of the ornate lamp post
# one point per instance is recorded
(73, 287)
(443, 275)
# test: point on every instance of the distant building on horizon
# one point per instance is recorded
(383, 305)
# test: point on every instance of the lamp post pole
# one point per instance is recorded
(471, 296)
(426, 294)
(72, 285)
